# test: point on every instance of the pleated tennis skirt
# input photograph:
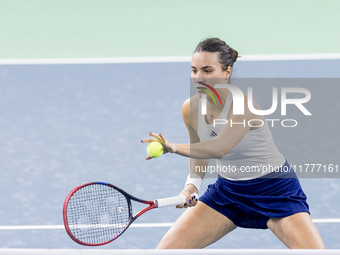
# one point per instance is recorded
(251, 203)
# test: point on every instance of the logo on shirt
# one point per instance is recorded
(213, 134)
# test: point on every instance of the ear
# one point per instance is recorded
(228, 72)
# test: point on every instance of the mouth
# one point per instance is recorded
(204, 90)
(202, 83)
(201, 88)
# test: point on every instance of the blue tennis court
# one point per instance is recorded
(65, 125)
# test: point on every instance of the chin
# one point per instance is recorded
(199, 93)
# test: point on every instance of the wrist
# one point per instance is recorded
(194, 180)
(172, 147)
(191, 188)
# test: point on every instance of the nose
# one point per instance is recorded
(199, 77)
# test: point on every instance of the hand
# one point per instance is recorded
(158, 137)
(191, 201)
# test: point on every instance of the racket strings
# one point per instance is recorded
(97, 213)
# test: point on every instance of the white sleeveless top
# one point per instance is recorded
(254, 156)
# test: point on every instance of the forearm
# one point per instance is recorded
(211, 149)
(196, 175)
(196, 166)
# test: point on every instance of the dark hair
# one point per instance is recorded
(227, 54)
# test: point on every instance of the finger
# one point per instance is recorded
(148, 140)
(184, 205)
(148, 157)
(187, 203)
(161, 136)
(156, 135)
(192, 201)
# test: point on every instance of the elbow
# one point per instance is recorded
(220, 154)
(220, 150)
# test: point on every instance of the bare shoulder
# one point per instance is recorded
(190, 109)
(255, 105)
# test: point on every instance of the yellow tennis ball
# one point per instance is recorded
(155, 149)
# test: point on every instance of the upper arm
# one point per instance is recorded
(230, 136)
(189, 117)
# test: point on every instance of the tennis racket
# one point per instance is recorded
(97, 213)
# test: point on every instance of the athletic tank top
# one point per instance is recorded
(254, 156)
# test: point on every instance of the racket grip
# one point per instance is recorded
(171, 201)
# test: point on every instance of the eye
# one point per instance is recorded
(193, 70)
(208, 71)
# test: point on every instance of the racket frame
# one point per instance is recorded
(152, 205)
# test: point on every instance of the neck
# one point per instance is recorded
(218, 107)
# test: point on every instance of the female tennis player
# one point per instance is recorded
(258, 199)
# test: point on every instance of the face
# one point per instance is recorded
(206, 69)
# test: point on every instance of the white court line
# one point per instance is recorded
(120, 60)
(134, 225)
(274, 57)
(17, 251)
(326, 220)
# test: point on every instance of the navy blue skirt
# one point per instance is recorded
(251, 203)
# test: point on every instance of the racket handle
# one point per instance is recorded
(171, 201)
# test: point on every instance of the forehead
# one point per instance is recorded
(203, 59)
